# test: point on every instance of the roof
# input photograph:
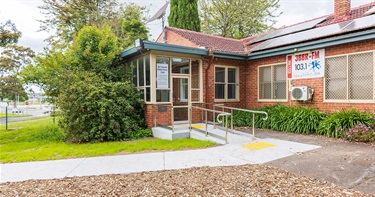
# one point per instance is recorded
(208, 41)
(254, 43)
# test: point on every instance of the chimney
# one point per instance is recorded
(342, 8)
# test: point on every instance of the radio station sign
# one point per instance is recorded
(309, 64)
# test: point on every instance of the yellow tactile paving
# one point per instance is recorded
(258, 145)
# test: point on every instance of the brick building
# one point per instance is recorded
(325, 63)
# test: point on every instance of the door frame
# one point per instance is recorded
(179, 77)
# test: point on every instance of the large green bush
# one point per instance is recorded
(336, 122)
(351, 124)
(93, 109)
(282, 118)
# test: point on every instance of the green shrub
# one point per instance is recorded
(281, 118)
(96, 110)
(336, 123)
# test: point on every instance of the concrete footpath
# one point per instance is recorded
(245, 151)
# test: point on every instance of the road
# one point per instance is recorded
(34, 111)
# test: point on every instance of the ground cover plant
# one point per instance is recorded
(336, 123)
(39, 140)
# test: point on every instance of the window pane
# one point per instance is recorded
(147, 64)
(141, 73)
(279, 90)
(232, 91)
(279, 85)
(220, 75)
(134, 72)
(162, 72)
(148, 94)
(219, 91)
(162, 95)
(265, 74)
(265, 90)
(232, 75)
(336, 79)
(178, 64)
(195, 74)
(361, 76)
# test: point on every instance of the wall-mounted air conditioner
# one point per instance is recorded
(301, 93)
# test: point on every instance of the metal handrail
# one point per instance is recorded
(220, 114)
(244, 110)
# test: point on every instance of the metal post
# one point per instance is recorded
(155, 115)
(172, 119)
(226, 131)
(231, 119)
(6, 117)
(191, 116)
(253, 125)
(222, 123)
(213, 116)
(206, 123)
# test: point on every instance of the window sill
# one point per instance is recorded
(349, 101)
(227, 100)
(273, 100)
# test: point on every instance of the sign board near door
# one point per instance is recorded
(162, 80)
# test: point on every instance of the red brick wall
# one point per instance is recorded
(317, 84)
(248, 83)
(176, 39)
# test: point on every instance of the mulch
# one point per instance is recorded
(245, 180)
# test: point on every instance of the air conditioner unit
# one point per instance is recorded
(301, 93)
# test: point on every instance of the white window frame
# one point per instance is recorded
(226, 84)
(272, 77)
(348, 100)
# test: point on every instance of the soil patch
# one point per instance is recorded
(344, 163)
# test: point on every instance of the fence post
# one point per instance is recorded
(6, 117)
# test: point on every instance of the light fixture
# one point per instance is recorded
(138, 43)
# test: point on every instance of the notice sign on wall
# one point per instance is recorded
(162, 79)
(309, 64)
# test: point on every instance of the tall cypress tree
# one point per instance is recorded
(184, 15)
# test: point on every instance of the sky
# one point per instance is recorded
(25, 13)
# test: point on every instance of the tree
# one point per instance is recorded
(184, 15)
(238, 18)
(65, 18)
(12, 59)
(8, 34)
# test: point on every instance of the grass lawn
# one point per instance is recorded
(2, 115)
(39, 140)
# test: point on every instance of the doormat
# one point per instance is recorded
(258, 145)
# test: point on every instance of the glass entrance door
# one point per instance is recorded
(181, 99)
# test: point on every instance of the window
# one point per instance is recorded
(162, 79)
(272, 82)
(140, 76)
(226, 83)
(350, 77)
